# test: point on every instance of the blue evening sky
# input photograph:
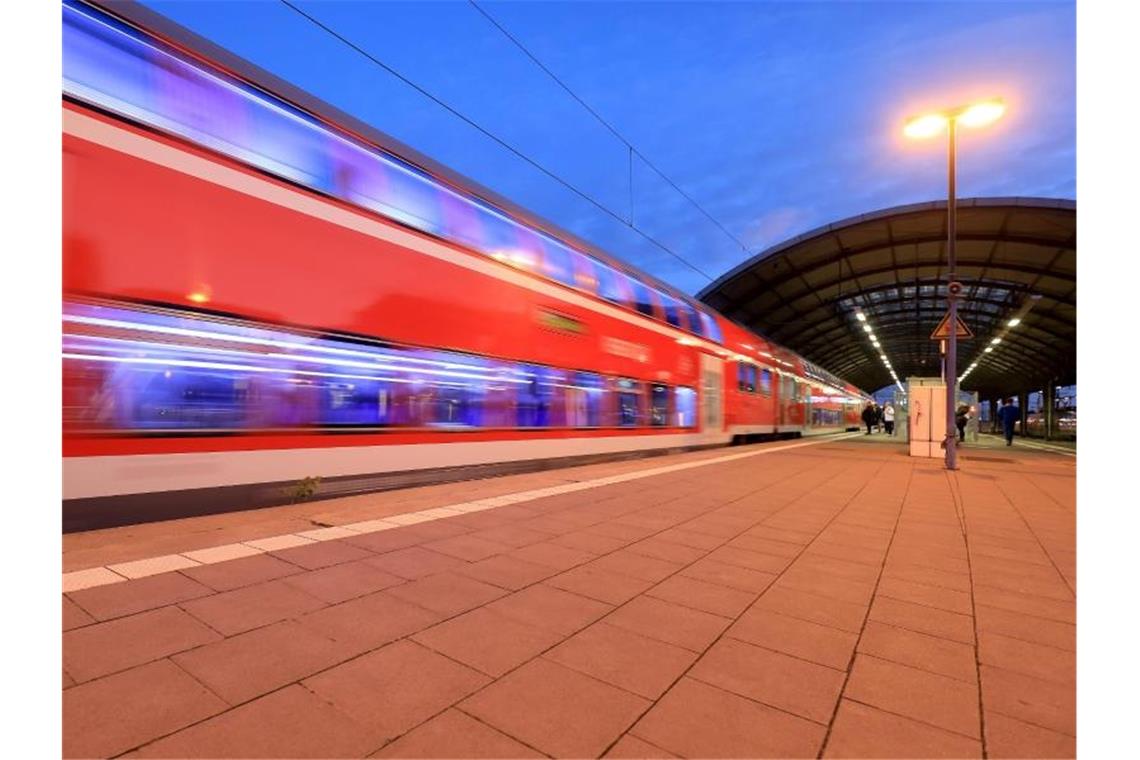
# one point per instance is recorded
(777, 117)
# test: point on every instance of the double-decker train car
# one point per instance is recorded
(256, 294)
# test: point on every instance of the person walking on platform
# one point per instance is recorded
(869, 416)
(878, 418)
(889, 418)
(1009, 414)
(960, 419)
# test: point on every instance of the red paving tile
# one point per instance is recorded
(766, 545)
(447, 593)
(827, 585)
(487, 641)
(121, 599)
(103, 648)
(552, 555)
(665, 550)
(74, 616)
(929, 596)
(395, 688)
(668, 622)
(611, 588)
(758, 621)
(1037, 660)
(766, 563)
(778, 680)
(470, 548)
(634, 565)
(918, 650)
(732, 576)
(697, 720)
(863, 731)
(370, 621)
(455, 734)
(918, 694)
(251, 607)
(629, 746)
(235, 573)
(1008, 737)
(390, 540)
(507, 572)
(816, 609)
(1026, 627)
(1042, 703)
(625, 659)
(322, 554)
(532, 704)
(339, 583)
(691, 539)
(1036, 606)
(250, 664)
(512, 535)
(550, 608)
(292, 722)
(700, 595)
(587, 541)
(928, 620)
(107, 717)
(800, 638)
(415, 562)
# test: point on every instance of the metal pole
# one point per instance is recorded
(952, 339)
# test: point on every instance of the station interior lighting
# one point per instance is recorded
(1013, 322)
(862, 317)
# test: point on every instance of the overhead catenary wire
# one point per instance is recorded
(495, 138)
(613, 130)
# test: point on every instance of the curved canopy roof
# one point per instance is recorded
(1016, 259)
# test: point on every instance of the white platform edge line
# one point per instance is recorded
(434, 513)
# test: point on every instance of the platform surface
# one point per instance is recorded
(820, 598)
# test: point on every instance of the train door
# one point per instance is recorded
(712, 413)
(807, 391)
(783, 402)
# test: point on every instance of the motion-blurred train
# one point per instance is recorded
(256, 294)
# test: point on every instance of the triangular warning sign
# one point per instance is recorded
(942, 332)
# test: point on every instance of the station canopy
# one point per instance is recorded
(1016, 259)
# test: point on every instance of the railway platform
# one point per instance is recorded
(826, 597)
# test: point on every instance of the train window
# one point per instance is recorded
(642, 300)
(696, 324)
(542, 398)
(766, 382)
(686, 407)
(746, 377)
(659, 405)
(712, 329)
(505, 241)
(585, 399)
(461, 221)
(628, 394)
(557, 261)
(672, 313)
(609, 287)
(585, 276)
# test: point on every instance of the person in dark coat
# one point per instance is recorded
(960, 419)
(869, 416)
(1009, 414)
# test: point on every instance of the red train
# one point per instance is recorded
(254, 296)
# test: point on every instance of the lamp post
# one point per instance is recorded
(930, 125)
